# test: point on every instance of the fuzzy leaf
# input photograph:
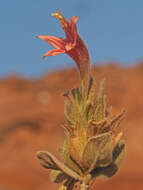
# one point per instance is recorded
(95, 128)
(100, 110)
(92, 92)
(62, 187)
(78, 96)
(71, 163)
(76, 144)
(68, 160)
(47, 159)
(116, 119)
(68, 110)
(98, 151)
(57, 176)
(64, 149)
(119, 153)
(113, 123)
(106, 172)
(69, 184)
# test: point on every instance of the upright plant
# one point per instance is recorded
(91, 148)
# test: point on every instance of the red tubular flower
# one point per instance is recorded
(72, 45)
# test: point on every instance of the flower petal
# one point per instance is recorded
(74, 33)
(64, 22)
(74, 19)
(68, 27)
(58, 43)
(53, 52)
(72, 45)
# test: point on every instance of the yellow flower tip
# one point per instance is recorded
(61, 18)
(57, 15)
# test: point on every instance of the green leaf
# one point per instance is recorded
(78, 96)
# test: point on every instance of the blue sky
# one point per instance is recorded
(112, 30)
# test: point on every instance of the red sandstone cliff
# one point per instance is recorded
(31, 112)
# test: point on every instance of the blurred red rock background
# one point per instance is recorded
(31, 115)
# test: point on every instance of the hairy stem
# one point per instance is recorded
(84, 186)
(85, 182)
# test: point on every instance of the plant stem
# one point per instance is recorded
(85, 182)
(84, 186)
